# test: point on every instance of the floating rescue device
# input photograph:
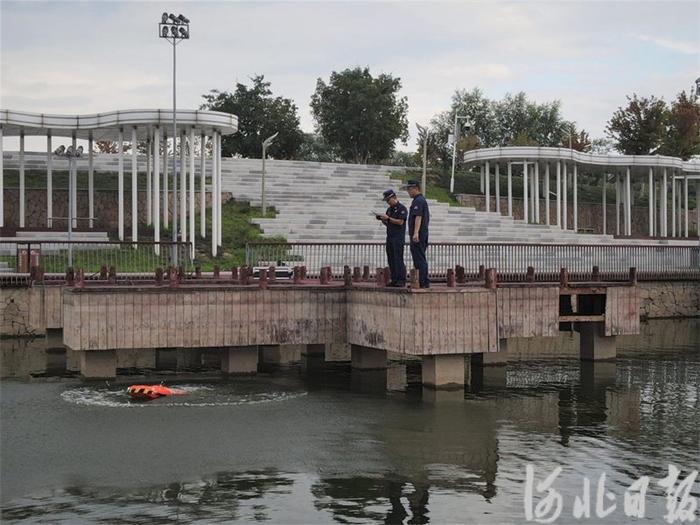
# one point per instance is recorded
(152, 391)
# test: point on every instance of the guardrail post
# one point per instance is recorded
(70, 276)
(460, 274)
(596, 274)
(234, 273)
(172, 277)
(379, 277)
(413, 278)
(387, 275)
(181, 273)
(563, 277)
(347, 277)
(302, 273)
(103, 273)
(80, 278)
(356, 274)
(217, 271)
(271, 274)
(262, 281)
(633, 275)
(365, 273)
(323, 275)
(112, 278)
(530, 276)
(159, 276)
(490, 278)
(450, 278)
(329, 273)
(296, 275)
(482, 271)
(197, 272)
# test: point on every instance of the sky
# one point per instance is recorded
(94, 56)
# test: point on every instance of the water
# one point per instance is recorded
(319, 444)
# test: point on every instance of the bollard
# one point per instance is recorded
(159, 276)
(234, 274)
(103, 273)
(356, 274)
(450, 278)
(365, 273)
(387, 275)
(329, 273)
(460, 274)
(262, 282)
(379, 276)
(530, 276)
(633, 275)
(564, 277)
(490, 278)
(302, 273)
(323, 275)
(197, 272)
(70, 276)
(217, 271)
(296, 275)
(172, 277)
(347, 277)
(413, 278)
(271, 274)
(80, 278)
(33, 273)
(596, 274)
(180, 273)
(112, 275)
(482, 271)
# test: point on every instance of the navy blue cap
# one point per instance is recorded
(388, 194)
(411, 184)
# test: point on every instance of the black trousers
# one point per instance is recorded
(420, 262)
(394, 255)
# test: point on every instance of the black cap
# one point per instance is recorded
(411, 184)
(388, 194)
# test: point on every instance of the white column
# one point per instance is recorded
(546, 194)
(120, 158)
(91, 183)
(664, 205)
(651, 202)
(219, 205)
(166, 195)
(617, 204)
(156, 188)
(536, 195)
(134, 187)
(49, 181)
(575, 185)
(149, 182)
(214, 213)
(2, 181)
(559, 223)
(673, 203)
(685, 204)
(487, 173)
(497, 182)
(191, 203)
(21, 179)
(628, 201)
(565, 204)
(183, 186)
(605, 205)
(75, 185)
(525, 197)
(202, 188)
(697, 203)
(510, 189)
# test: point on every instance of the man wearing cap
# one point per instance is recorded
(395, 221)
(418, 220)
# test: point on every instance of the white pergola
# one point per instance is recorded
(540, 164)
(148, 126)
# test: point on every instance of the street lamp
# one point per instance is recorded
(71, 153)
(174, 29)
(455, 138)
(423, 137)
(265, 145)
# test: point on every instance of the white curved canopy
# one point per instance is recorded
(105, 126)
(600, 162)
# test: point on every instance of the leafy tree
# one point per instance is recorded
(577, 140)
(640, 127)
(109, 146)
(683, 133)
(260, 115)
(360, 115)
(314, 148)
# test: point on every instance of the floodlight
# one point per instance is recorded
(173, 30)
(183, 33)
(174, 18)
(183, 19)
(165, 31)
(79, 151)
(60, 150)
(164, 18)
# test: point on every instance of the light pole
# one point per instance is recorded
(455, 138)
(423, 137)
(174, 29)
(71, 153)
(265, 145)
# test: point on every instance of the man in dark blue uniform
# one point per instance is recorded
(418, 220)
(395, 221)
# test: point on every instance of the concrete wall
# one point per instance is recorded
(589, 215)
(670, 299)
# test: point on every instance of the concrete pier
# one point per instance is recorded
(280, 355)
(239, 360)
(98, 364)
(595, 345)
(366, 358)
(443, 371)
(314, 349)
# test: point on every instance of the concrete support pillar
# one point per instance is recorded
(280, 355)
(98, 364)
(651, 202)
(49, 183)
(120, 182)
(214, 193)
(21, 179)
(487, 184)
(525, 196)
(497, 184)
(239, 360)
(149, 182)
(536, 195)
(510, 189)
(314, 349)
(134, 187)
(366, 358)
(664, 205)
(202, 188)
(443, 371)
(575, 185)
(219, 229)
(499, 358)
(190, 206)
(565, 204)
(183, 186)
(166, 167)
(156, 189)
(685, 205)
(559, 223)
(628, 201)
(91, 183)
(595, 345)
(546, 194)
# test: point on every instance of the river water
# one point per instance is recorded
(315, 443)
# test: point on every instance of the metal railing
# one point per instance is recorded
(510, 260)
(134, 258)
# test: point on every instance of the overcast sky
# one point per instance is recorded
(84, 57)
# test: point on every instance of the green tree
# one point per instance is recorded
(683, 132)
(260, 114)
(314, 148)
(359, 115)
(640, 127)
